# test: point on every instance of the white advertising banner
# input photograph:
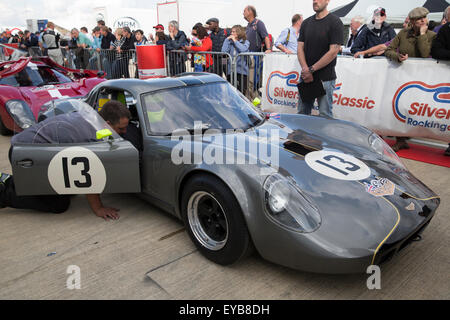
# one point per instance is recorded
(411, 99)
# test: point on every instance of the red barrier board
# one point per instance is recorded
(151, 61)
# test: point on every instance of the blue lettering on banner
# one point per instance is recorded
(428, 124)
(285, 103)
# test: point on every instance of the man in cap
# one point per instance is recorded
(218, 36)
(412, 42)
(158, 29)
(415, 41)
(377, 32)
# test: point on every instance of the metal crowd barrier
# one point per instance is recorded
(35, 52)
(244, 71)
(247, 71)
(116, 65)
(180, 61)
(2, 55)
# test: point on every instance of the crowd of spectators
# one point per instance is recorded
(419, 38)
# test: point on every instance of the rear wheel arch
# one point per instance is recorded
(190, 176)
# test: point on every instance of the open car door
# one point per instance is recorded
(110, 165)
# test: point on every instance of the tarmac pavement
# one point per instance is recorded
(146, 254)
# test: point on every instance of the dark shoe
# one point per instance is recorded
(399, 145)
(447, 152)
(3, 178)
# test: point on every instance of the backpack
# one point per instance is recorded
(264, 44)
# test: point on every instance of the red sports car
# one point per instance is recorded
(26, 84)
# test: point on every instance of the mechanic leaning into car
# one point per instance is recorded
(65, 128)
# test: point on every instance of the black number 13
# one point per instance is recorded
(352, 168)
(84, 172)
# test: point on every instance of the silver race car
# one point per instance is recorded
(314, 194)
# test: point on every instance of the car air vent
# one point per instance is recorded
(425, 212)
(298, 148)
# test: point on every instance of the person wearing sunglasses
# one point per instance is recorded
(376, 33)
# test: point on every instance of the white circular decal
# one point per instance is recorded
(337, 165)
(76, 170)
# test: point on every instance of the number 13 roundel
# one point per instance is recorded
(337, 165)
(77, 170)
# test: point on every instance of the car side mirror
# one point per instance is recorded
(100, 74)
(102, 134)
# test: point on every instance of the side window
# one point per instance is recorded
(102, 98)
(124, 97)
(10, 81)
(106, 95)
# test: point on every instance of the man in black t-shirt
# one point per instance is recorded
(321, 37)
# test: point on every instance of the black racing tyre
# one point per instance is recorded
(214, 220)
(4, 131)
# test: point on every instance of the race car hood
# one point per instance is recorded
(401, 202)
(300, 136)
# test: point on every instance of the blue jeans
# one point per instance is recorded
(325, 102)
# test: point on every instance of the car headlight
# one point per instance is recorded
(288, 206)
(382, 148)
(21, 113)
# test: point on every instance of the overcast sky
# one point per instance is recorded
(78, 13)
(66, 13)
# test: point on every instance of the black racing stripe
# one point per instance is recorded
(189, 81)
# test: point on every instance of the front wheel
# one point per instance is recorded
(214, 220)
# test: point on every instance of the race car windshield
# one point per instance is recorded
(215, 106)
(34, 76)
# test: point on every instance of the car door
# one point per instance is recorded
(89, 168)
